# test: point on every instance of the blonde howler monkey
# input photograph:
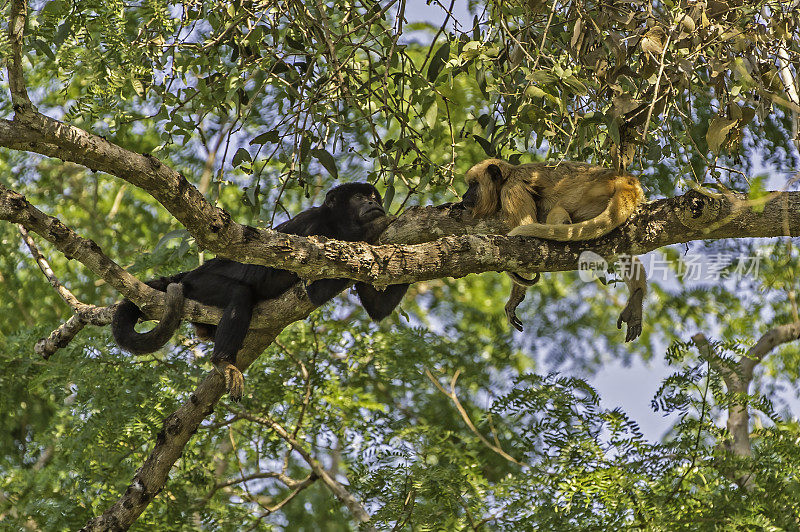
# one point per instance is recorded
(576, 201)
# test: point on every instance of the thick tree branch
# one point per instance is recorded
(663, 222)
(15, 208)
(41, 134)
(61, 337)
(675, 220)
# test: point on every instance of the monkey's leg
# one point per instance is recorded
(636, 280)
(558, 215)
(229, 337)
(321, 291)
(516, 297)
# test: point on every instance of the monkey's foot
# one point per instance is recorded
(234, 380)
(632, 316)
(516, 297)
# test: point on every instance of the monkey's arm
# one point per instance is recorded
(636, 280)
(380, 303)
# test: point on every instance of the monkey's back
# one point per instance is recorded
(582, 189)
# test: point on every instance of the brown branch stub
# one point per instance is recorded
(66, 332)
(59, 338)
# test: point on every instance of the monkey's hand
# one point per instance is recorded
(516, 297)
(234, 380)
(632, 316)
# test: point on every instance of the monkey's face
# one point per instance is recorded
(356, 202)
(366, 207)
(470, 197)
(484, 181)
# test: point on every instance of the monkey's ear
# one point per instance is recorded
(495, 173)
(330, 199)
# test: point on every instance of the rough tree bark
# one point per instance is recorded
(423, 244)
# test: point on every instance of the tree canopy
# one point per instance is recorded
(139, 139)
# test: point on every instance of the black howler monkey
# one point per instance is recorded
(351, 212)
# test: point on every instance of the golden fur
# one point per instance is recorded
(577, 201)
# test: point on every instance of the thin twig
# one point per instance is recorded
(452, 395)
(353, 504)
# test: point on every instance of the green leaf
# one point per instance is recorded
(62, 32)
(431, 114)
(654, 152)
(138, 87)
(326, 160)
(758, 190)
(269, 136)
(240, 156)
(437, 61)
(172, 235)
(535, 92)
(717, 131)
(294, 43)
(486, 145)
(388, 196)
(42, 47)
(305, 145)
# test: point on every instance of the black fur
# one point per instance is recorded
(470, 197)
(351, 212)
(147, 342)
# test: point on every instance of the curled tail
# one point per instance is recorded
(127, 314)
(522, 281)
(627, 195)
